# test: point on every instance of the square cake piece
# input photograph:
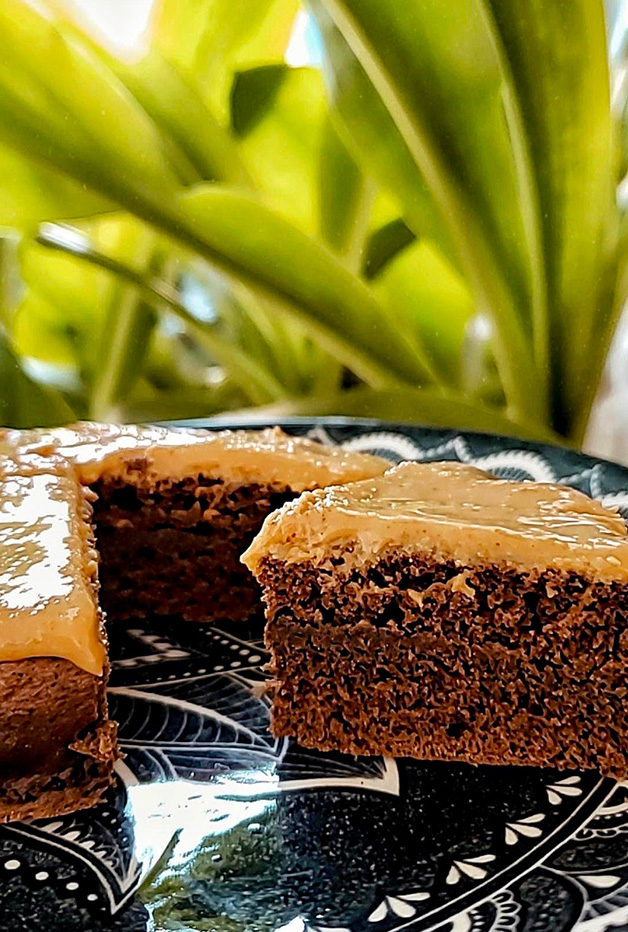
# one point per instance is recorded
(439, 613)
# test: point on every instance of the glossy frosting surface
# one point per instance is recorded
(269, 455)
(451, 511)
(47, 605)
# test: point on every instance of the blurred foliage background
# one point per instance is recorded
(429, 226)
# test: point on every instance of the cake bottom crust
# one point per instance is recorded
(79, 785)
(57, 745)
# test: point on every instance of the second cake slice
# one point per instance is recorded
(439, 613)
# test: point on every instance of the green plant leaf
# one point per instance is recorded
(438, 84)
(31, 193)
(531, 211)
(212, 39)
(197, 145)
(196, 401)
(436, 72)
(127, 323)
(113, 146)
(24, 402)
(259, 384)
(40, 331)
(558, 55)
(230, 230)
(345, 197)
(374, 140)
(234, 231)
(384, 244)
(66, 302)
(279, 115)
(280, 143)
(404, 405)
(253, 94)
(431, 301)
(176, 106)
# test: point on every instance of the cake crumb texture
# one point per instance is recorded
(411, 657)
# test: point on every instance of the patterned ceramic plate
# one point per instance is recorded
(215, 825)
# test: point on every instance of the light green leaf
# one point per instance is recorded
(374, 140)
(558, 55)
(76, 301)
(230, 230)
(175, 405)
(406, 406)
(212, 39)
(235, 231)
(278, 114)
(176, 106)
(346, 199)
(127, 323)
(280, 144)
(24, 402)
(196, 144)
(40, 331)
(259, 384)
(384, 244)
(31, 193)
(431, 301)
(113, 146)
(437, 79)
(11, 284)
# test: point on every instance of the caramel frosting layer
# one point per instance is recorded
(99, 450)
(47, 600)
(453, 512)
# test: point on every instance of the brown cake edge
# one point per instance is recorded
(412, 657)
(57, 745)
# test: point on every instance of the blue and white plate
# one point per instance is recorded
(215, 825)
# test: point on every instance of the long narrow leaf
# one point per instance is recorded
(31, 193)
(178, 109)
(56, 121)
(280, 137)
(432, 303)
(405, 405)
(197, 145)
(375, 141)
(432, 66)
(235, 232)
(529, 196)
(227, 228)
(259, 383)
(23, 402)
(39, 331)
(211, 39)
(345, 196)
(558, 56)
(384, 244)
(126, 327)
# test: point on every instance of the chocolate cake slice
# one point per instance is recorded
(438, 613)
(175, 509)
(57, 746)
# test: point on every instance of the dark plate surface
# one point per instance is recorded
(217, 826)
